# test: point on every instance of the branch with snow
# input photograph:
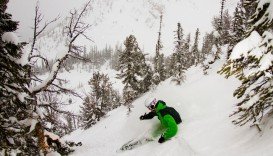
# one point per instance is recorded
(252, 62)
(75, 29)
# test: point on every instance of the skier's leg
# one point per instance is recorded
(158, 130)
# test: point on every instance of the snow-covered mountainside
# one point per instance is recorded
(77, 80)
(204, 102)
(113, 20)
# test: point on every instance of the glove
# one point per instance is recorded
(142, 117)
(161, 139)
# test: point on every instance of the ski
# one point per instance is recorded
(134, 143)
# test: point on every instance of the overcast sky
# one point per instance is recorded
(23, 11)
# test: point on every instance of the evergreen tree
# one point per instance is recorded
(103, 92)
(254, 67)
(71, 124)
(207, 51)
(226, 32)
(239, 22)
(179, 57)
(221, 13)
(133, 69)
(90, 113)
(223, 26)
(249, 10)
(171, 64)
(159, 65)
(207, 46)
(101, 100)
(13, 90)
(189, 56)
(195, 51)
(238, 26)
(114, 62)
(222, 34)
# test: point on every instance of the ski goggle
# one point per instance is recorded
(151, 107)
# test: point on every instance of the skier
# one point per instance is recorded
(168, 116)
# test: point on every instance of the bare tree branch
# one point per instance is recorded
(81, 58)
(41, 57)
(74, 29)
(56, 110)
(37, 20)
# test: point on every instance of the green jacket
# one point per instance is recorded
(167, 121)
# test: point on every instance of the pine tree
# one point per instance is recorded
(133, 69)
(195, 51)
(226, 28)
(207, 51)
(208, 43)
(13, 90)
(103, 92)
(114, 62)
(221, 13)
(89, 113)
(170, 64)
(223, 26)
(254, 67)
(179, 57)
(71, 124)
(101, 100)
(159, 65)
(249, 10)
(189, 56)
(239, 22)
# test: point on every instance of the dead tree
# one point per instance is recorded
(36, 86)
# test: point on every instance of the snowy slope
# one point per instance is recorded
(204, 102)
(77, 80)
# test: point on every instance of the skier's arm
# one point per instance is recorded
(148, 116)
(171, 127)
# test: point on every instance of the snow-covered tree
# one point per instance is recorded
(189, 61)
(159, 65)
(71, 123)
(103, 92)
(223, 26)
(195, 50)
(13, 89)
(114, 61)
(133, 70)
(179, 58)
(239, 22)
(207, 51)
(101, 100)
(238, 26)
(251, 61)
(90, 113)
(207, 46)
